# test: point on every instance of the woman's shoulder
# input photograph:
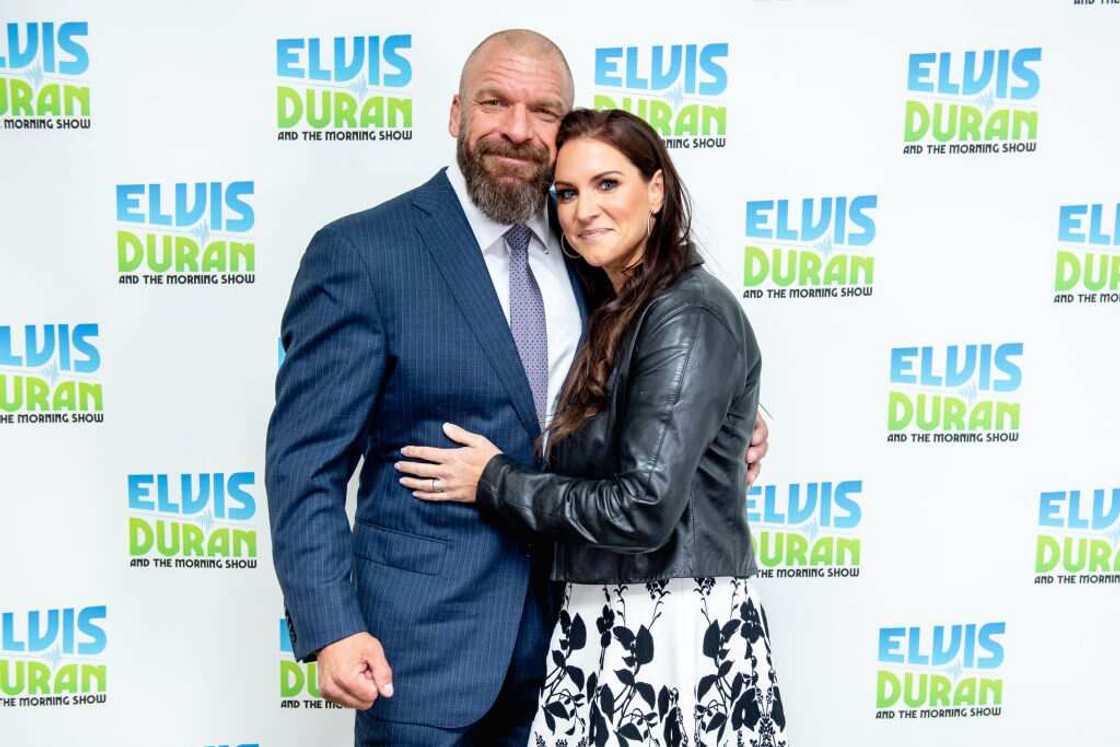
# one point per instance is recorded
(698, 291)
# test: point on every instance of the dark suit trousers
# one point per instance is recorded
(507, 722)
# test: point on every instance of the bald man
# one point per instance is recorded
(449, 303)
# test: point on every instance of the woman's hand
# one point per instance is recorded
(760, 444)
(447, 474)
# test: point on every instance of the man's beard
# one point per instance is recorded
(504, 200)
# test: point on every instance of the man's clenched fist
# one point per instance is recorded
(353, 672)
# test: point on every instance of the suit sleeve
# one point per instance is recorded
(674, 409)
(325, 390)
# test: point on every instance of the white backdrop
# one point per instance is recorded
(964, 247)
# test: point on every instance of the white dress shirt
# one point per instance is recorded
(562, 320)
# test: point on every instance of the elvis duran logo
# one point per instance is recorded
(41, 76)
(299, 687)
(979, 101)
(820, 251)
(49, 374)
(955, 394)
(200, 520)
(1078, 538)
(187, 233)
(1087, 270)
(53, 657)
(345, 88)
(807, 530)
(940, 671)
(679, 89)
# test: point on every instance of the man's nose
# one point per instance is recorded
(516, 126)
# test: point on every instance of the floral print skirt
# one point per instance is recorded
(684, 661)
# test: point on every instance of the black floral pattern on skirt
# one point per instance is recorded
(669, 663)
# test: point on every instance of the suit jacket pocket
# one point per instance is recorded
(409, 552)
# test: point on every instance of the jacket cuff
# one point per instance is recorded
(487, 495)
(319, 617)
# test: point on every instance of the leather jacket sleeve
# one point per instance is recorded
(684, 373)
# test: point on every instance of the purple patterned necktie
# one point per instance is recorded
(526, 316)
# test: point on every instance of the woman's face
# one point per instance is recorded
(604, 204)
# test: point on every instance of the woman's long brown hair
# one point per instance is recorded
(666, 256)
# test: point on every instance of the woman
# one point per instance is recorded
(643, 496)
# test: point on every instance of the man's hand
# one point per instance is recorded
(757, 450)
(353, 671)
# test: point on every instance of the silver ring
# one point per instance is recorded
(436, 488)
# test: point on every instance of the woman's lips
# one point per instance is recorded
(593, 233)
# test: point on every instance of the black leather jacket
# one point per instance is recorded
(653, 486)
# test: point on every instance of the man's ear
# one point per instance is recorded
(455, 117)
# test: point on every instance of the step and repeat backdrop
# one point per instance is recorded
(919, 204)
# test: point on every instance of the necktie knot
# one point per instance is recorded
(518, 237)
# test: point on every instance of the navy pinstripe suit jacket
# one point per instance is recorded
(393, 327)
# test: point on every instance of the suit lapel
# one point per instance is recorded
(448, 237)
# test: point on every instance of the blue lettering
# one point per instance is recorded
(287, 58)
(237, 483)
(902, 365)
(393, 46)
(845, 501)
(757, 215)
(128, 203)
(890, 643)
(139, 488)
(1029, 77)
(993, 647)
(917, 77)
(718, 83)
(235, 194)
(76, 49)
(1012, 370)
(606, 66)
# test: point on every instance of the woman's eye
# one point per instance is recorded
(608, 184)
(564, 194)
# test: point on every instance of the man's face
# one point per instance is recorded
(505, 125)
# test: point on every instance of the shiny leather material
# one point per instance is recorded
(653, 486)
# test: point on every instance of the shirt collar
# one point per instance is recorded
(487, 230)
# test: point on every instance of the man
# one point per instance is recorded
(450, 303)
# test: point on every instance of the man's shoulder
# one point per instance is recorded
(390, 218)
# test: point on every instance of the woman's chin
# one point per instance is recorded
(594, 254)
(591, 258)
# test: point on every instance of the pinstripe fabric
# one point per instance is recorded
(393, 328)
